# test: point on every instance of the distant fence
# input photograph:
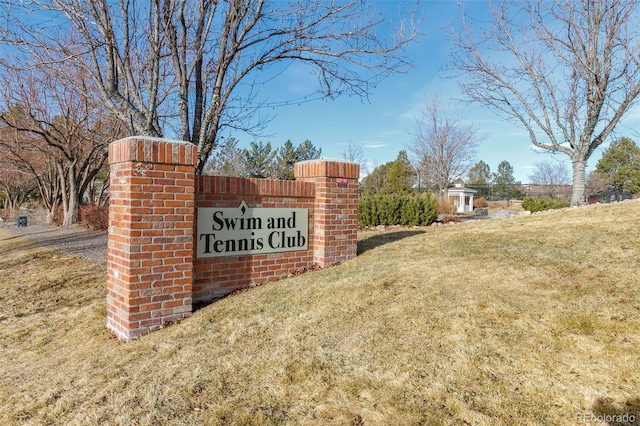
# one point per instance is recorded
(176, 239)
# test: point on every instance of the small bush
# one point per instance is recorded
(58, 217)
(419, 210)
(391, 211)
(545, 203)
(450, 218)
(6, 214)
(396, 209)
(479, 203)
(446, 207)
(94, 217)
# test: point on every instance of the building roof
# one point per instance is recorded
(459, 189)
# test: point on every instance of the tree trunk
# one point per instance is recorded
(71, 207)
(8, 202)
(71, 212)
(103, 197)
(51, 213)
(577, 194)
(70, 197)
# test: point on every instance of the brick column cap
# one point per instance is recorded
(145, 149)
(326, 168)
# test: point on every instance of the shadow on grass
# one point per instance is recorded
(196, 306)
(382, 239)
(363, 246)
(614, 413)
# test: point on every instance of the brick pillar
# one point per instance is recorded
(151, 222)
(335, 223)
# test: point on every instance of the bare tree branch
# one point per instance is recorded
(443, 145)
(60, 135)
(566, 71)
(162, 60)
(355, 153)
(551, 177)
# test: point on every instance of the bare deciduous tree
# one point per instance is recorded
(353, 152)
(597, 183)
(551, 176)
(566, 71)
(25, 153)
(200, 62)
(15, 184)
(443, 145)
(66, 128)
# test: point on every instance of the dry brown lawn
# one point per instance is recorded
(525, 321)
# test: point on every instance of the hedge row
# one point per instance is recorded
(545, 203)
(397, 209)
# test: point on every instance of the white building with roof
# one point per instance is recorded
(461, 197)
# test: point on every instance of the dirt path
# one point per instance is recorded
(74, 240)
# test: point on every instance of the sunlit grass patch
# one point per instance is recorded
(529, 320)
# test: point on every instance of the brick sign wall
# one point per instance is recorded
(176, 239)
(220, 275)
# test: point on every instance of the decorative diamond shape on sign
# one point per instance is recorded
(243, 207)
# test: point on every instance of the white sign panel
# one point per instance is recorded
(229, 231)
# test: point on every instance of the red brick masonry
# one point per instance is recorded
(150, 250)
(153, 276)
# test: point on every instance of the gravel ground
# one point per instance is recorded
(74, 240)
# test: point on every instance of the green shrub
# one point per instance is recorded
(545, 203)
(392, 204)
(396, 209)
(366, 210)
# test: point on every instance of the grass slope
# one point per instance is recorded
(528, 320)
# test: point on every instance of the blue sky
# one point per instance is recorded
(385, 123)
